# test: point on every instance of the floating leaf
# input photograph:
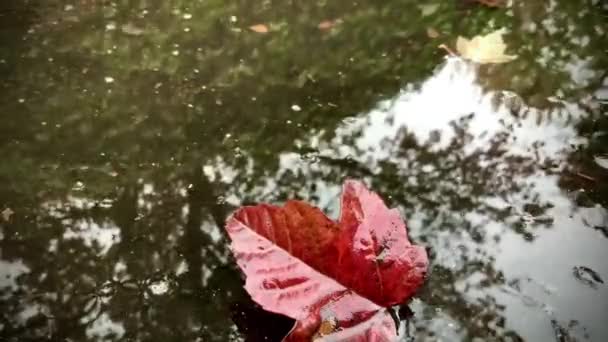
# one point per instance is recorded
(333, 278)
(259, 28)
(327, 24)
(484, 49)
(587, 276)
(6, 214)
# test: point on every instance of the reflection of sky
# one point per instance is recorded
(547, 261)
(547, 288)
(450, 94)
(9, 272)
(93, 234)
(103, 327)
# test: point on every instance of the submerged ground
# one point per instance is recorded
(130, 130)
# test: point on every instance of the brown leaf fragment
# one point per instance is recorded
(259, 28)
(326, 25)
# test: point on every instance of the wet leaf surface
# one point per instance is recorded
(333, 278)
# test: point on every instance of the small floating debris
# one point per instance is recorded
(587, 276)
(259, 28)
(132, 30)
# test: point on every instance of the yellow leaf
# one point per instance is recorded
(484, 49)
(259, 28)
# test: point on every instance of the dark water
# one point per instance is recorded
(130, 130)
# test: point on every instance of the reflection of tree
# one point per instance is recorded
(157, 235)
(584, 172)
(137, 144)
(442, 185)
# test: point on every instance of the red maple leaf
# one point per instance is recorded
(334, 278)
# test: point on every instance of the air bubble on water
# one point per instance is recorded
(22, 100)
(175, 52)
(108, 79)
(288, 122)
(228, 135)
(187, 16)
(111, 26)
(233, 19)
(296, 108)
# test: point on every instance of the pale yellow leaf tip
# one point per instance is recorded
(488, 49)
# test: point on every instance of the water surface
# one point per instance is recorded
(129, 131)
